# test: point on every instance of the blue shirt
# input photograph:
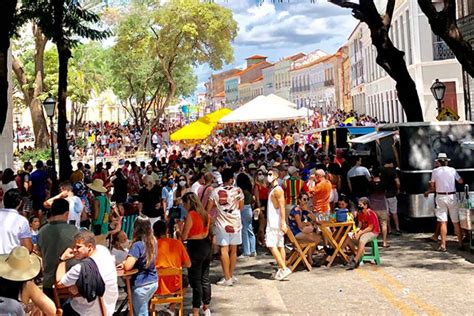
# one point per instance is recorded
(167, 194)
(146, 274)
(38, 179)
(292, 221)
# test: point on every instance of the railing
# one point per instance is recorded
(441, 50)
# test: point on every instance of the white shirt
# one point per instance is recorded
(75, 209)
(14, 228)
(106, 264)
(445, 179)
(273, 213)
(195, 187)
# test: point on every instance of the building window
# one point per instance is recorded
(441, 50)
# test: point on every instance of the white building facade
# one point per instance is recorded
(427, 58)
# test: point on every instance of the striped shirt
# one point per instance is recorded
(292, 188)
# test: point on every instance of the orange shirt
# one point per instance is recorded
(171, 254)
(321, 195)
(198, 226)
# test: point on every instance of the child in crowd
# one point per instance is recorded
(34, 227)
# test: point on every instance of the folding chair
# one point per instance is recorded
(299, 252)
(176, 297)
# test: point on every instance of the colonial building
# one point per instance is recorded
(281, 75)
(238, 86)
(215, 88)
(427, 57)
(268, 79)
(466, 26)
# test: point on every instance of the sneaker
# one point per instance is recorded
(225, 282)
(253, 254)
(243, 258)
(234, 279)
(276, 275)
(284, 273)
(206, 312)
(352, 265)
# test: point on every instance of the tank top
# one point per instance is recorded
(198, 226)
(262, 191)
(273, 213)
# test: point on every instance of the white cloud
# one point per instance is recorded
(280, 30)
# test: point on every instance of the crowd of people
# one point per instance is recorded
(238, 192)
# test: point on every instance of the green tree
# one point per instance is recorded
(137, 78)
(28, 67)
(190, 29)
(64, 21)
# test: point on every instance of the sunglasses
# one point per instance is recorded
(305, 199)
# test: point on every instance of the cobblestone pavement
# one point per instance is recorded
(413, 279)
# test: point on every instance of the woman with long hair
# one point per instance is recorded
(248, 237)
(196, 232)
(142, 256)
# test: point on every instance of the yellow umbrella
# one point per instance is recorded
(199, 129)
(349, 120)
(215, 116)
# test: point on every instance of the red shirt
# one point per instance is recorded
(368, 219)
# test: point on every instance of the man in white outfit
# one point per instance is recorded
(443, 182)
(276, 224)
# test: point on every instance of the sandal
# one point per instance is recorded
(441, 249)
(386, 246)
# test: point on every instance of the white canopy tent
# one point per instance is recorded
(262, 109)
(281, 101)
(306, 111)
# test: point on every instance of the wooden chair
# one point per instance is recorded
(63, 293)
(299, 252)
(176, 297)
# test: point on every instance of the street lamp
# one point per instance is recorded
(438, 89)
(49, 105)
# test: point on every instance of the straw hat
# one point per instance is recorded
(252, 166)
(19, 265)
(97, 185)
(442, 157)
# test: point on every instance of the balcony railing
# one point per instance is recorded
(441, 50)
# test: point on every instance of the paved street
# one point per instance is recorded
(412, 280)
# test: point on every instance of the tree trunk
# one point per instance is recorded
(7, 14)
(444, 24)
(65, 167)
(388, 56)
(4, 45)
(391, 60)
(30, 95)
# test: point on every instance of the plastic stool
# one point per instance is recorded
(374, 255)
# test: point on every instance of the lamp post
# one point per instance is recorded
(49, 105)
(438, 89)
(101, 111)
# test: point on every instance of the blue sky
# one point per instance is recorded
(280, 30)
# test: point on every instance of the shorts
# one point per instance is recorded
(383, 217)
(366, 238)
(445, 204)
(274, 238)
(392, 205)
(228, 239)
